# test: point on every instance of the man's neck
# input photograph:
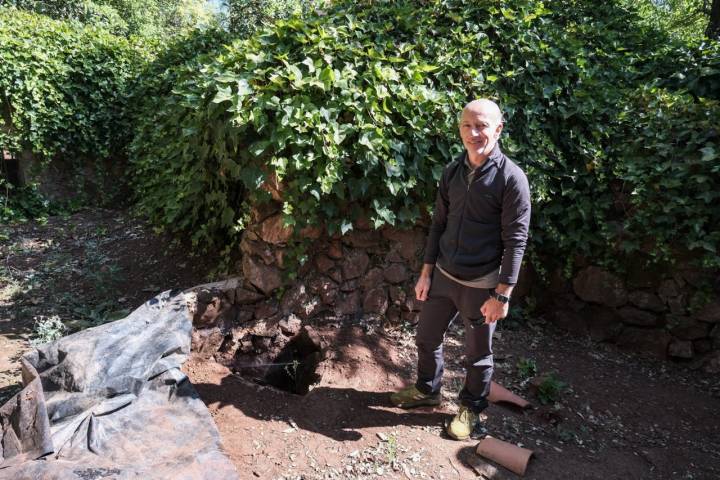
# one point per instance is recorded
(475, 160)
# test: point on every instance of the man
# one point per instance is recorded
(471, 264)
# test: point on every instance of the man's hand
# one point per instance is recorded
(494, 310)
(422, 287)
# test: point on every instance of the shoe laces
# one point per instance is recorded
(466, 415)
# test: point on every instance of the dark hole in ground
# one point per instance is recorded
(293, 369)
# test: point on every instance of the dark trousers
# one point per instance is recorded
(446, 299)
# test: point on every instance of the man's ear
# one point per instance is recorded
(499, 129)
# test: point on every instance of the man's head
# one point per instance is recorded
(480, 125)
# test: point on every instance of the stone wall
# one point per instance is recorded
(369, 274)
(671, 315)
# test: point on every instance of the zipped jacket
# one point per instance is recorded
(480, 226)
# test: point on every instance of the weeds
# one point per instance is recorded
(526, 368)
(47, 329)
(550, 389)
(392, 448)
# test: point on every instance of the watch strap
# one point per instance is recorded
(498, 296)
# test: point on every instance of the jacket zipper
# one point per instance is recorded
(462, 215)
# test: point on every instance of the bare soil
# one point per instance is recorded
(620, 416)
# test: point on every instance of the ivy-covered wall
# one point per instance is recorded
(63, 99)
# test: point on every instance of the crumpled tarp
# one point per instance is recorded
(111, 402)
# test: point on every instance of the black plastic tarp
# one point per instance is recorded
(111, 402)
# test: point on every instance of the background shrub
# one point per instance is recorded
(62, 88)
(355, 112)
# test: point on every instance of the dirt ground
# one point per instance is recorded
(617, 416)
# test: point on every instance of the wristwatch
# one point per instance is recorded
(498, 296)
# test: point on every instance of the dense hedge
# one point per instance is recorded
(63, 87)
(355, 112)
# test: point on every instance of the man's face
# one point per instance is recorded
(479, 131)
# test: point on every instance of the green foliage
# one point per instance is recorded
(145, 18)
(354, 112)
(244, 17)
(526, 368)
(668, 179)
(684, 19)
(550, 389)
(62, 87)
(47, 329)
(18, 204)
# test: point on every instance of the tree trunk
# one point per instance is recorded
(713, 28)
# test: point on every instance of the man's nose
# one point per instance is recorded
(474, 132)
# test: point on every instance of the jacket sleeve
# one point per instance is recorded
(439, 221)
(515, 219)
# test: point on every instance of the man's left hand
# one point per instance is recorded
(494, 310)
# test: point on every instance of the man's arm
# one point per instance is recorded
(432, 245)
(515, 221)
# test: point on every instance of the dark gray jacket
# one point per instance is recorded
(477, 227)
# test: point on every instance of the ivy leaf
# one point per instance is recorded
(224, 94)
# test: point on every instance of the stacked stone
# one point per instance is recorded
(646, 312)
(365, 274)
(370, 274)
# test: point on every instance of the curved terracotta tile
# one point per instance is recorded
(498, 394)
(510, 456)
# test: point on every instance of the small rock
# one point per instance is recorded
(680, 349)
(355, 264)
(710, 313)
(349, 303)
(635, 316)
(264, 277)
(244, 315)
(336, 275)
(396, 273)
(393, 257)
(677, 305)
(349, 286)
(293, 298)
(410, 242)
(596, 285)
(393, 315)
(688, 329)
(715, 336)
(266, 327)
(290, 325)
(371, 279)
(647, 301)
(310, 307)
(604, 323)
(375, 301)
(206, 341)
(324, 263)
(397, 295)
(335, 250)
(207, 314)
(712, 363)
(362, 238)
(668, 289)
(265, 310)
(648, 340)
(703, 345)
(569, 320)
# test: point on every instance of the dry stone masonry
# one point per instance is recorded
(368, 275)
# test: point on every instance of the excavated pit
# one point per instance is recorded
(293, 369)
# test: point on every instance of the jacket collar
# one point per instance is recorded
(494, 157)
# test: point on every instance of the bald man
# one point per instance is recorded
(472, 258)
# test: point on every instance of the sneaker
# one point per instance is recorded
(463, 424)
(411, 397)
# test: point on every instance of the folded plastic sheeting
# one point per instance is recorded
(111, 402)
